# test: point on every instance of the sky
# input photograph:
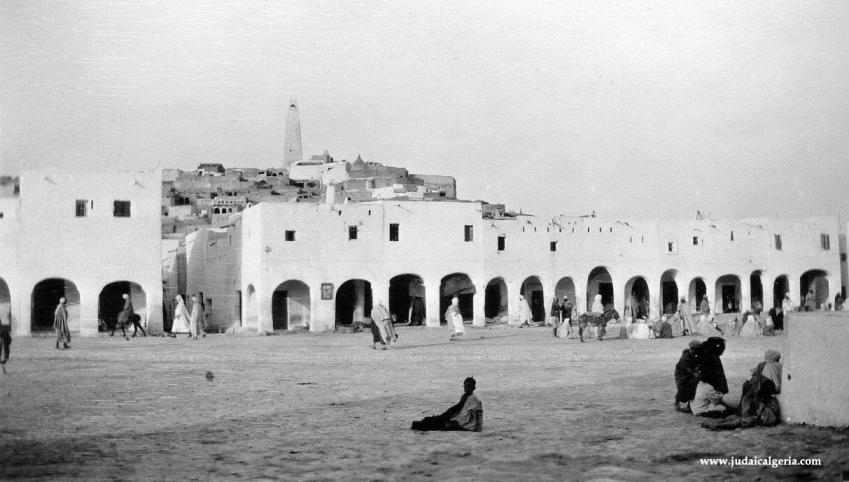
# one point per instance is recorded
(630, 109)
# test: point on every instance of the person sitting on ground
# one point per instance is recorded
(640, 330)
(769, 323)
(708, 401)
(467, 414)
(662, 329)
(758, 405)
(686, 376)
(750, 327)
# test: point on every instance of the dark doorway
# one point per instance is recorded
(780, 288)
(757, 289)
(461, 286)
(45, 298)
(407, 299)
(353, 302)
(698, 290)
(669, 291)
(606, 292)
(730, 303)
(495, 299)
(280, 310)
(532, 290)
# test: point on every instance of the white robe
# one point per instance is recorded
(180, 325)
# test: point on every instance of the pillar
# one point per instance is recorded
(432, 295)
(88, 312)
(745, 295)
(24, 325)
(479, 320)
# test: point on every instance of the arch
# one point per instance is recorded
(532, 290)
(756, 290)
(816, 281)
(111, 301)
(407, 298)
(669, 291)
(353, 302)
(461, 286)
(495, 301)
(216, 211)
(697, 292)
(780, 287)
(5, 303)
(290, 305)
(45, 298)
(565, 287)
(728, 294)
(638, 297)
(251, 318)
(599, 282)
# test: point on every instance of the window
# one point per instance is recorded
(290, 235)
(778, 242)
(695, 240)
(122, 209)
(501, 242)
(352, 232)
(393, 232)
(732, 235)
(671, 247)
(825, 241)
(82, 208)
(552, 246)
(469, 233)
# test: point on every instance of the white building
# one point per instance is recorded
(87, 236)
(319, 266)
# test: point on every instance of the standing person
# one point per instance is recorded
(180, 325)
(686, 377)
(388, 325)
(203, 315)
(60, 324)
(686, 322)
(195, 318)
(454, 318)
(5, 344)
(809, 301)
(417, 312)
(379, 317)
(838, 302)
(525, 315)
(554, 315)
(467, 414)
(704, 307)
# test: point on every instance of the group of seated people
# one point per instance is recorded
(702, 387)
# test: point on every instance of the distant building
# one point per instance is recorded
(293, 151)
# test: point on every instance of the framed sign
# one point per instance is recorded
(327, 291)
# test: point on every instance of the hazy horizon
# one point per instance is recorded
(647, 109)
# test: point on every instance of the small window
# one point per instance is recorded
(695, 240)
(825, 241)
(393, 232)
(352, 232)
(1, 214)
(469, 233)
(778, 242)
(671, 247)
(82, 208)
(122, 209)
(501, 242)
(552, 246)
(290, 235)
(732, 235)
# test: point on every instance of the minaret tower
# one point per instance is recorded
(292, 143)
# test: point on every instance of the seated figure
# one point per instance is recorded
(662, 329)
(750, 327)
(640, 330)
(467, 414)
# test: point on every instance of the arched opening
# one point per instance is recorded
(216, 211)
(407, 299)
(565, 288)
(757, 290)
(45, 298)
(669, 291)
(461, 286)
(780, 287)
(251, 318)
(290, 306)
(353, 302)
(728, 293)
(637, 296)
(111, 301)
(5, 303)
(599, 282)
(814, 282)
(532, 290)
(495, 303)
(697, 293)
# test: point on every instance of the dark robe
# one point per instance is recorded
(5, 342)
(686, 376)
(60, 324)
(710, 366)
(443, 421)
(417, 317)
(664, 330)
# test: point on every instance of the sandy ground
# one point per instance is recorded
(327, 406)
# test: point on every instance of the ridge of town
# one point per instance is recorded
(315, 243)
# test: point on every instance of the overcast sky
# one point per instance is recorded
(640, 109)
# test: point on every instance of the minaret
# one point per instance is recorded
(292, 143)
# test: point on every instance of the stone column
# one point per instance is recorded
(745, 296)
(23, 327)
(88, 313)
(479, 320)
(265, 322)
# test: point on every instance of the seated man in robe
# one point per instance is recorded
(708, 400)
(686, 377)
(662, 329)
(640, 330)
(467, 414)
